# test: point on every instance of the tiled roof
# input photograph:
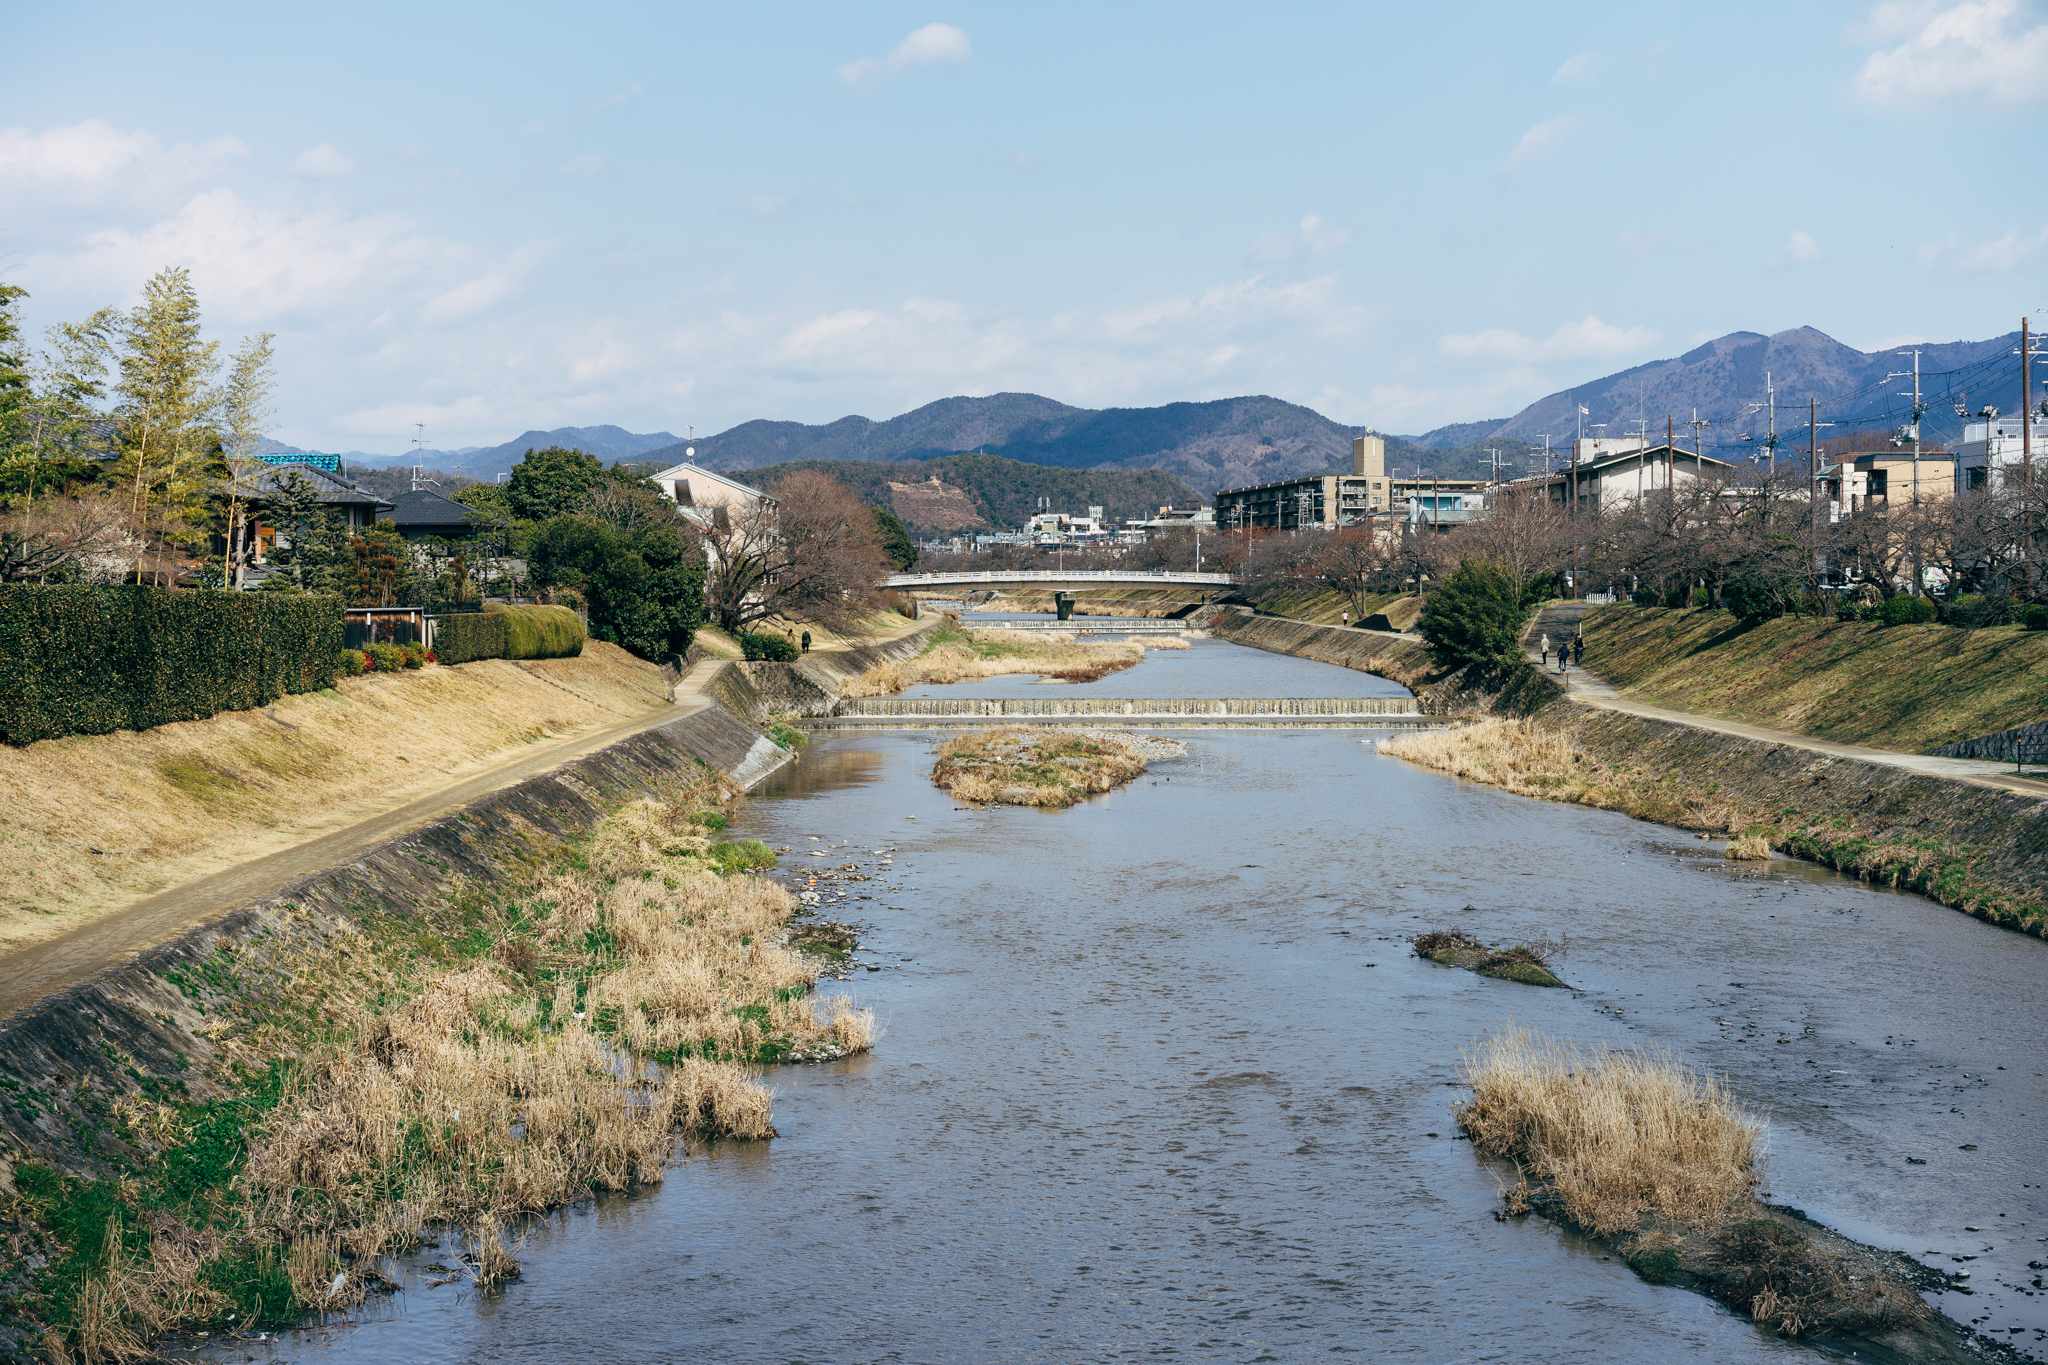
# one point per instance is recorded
(425, 507)
(331, 488)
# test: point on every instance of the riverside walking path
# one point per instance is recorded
(1560, 621)
(30, 973)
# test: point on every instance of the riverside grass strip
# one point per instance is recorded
(1881, 825)
(84, 660)
(1911, 688)
(499, 1052)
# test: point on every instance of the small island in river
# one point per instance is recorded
(1022, 765)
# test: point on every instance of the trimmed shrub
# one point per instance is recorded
(1990, 609)
(384, 657)
(415, 655)
(539, 632)
(83, 660)
(2034, 616)
(762, 644)
(465, 636)
(350, 663)
(1906, 611)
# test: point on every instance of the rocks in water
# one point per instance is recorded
(1527, 963)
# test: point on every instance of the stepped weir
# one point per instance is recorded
(948, 713)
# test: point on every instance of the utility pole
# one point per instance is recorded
(1669, 468)
(419, 441)
(1913, 434)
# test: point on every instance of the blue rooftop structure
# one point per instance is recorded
(330, 463)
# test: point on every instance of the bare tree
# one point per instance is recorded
(1528, 538)
(1356, 561)
(809, 552)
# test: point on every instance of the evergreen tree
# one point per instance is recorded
(1474, 618)
(896, 541)
(553, 482)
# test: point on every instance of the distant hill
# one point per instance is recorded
(1724, 380)
(979, 492)
(1219, 444)
(486, 462)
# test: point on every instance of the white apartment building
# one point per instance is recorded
(1991, 449)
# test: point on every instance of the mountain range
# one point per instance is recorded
(1230, 442)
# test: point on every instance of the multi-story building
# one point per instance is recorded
(1326, 500)
(1993, 449)
(1877, 480)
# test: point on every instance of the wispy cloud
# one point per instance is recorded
(1583, 67)
(590, 163)
(2003, 253)
(1800, 249)
(94, 161)
(1637, 245)
(1314, 236)
(324, 160)
(1588, 338)
(931, 44)
(1542, 140)
(1977, 50)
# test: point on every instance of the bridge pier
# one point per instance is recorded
(1063, 605)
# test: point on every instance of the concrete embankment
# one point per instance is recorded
(147, 1027)
(1402, 658)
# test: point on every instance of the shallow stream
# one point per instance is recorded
(1161, 1078)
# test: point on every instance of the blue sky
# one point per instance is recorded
(491, 218)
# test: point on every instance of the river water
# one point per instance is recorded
(1162, 1079)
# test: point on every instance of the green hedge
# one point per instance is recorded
(539, 632)
(89, 660)
(466, 636)
(766, 644)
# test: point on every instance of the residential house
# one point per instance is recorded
(1994, 449)
(423, 512)
(258, 536)
(705, 495)
(1880, 479)
(1611, 477)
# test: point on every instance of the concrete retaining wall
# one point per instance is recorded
(67, 1059)
(2000, 745)
(1403, 659)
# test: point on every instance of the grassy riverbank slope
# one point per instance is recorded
(1974, 848)
(94, 822)
(454, 1032)
(1910, 688)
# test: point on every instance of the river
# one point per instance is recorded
(1161, 1078)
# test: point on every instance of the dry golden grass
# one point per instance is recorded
(1611, 1136)
(90, 823)
(1752, 848)
(1019, 765)
(618, 1008)
(1911, 688)
(1055, 656)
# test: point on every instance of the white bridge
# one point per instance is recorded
(1061, 578)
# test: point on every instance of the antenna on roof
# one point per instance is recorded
(419, 441)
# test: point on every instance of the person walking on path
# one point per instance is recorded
(1579, 649)
(1347, 619)
(1544, 640)
(807, 642)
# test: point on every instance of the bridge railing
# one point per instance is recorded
(1135, 577)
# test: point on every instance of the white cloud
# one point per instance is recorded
(1315, 236)
(94, 160)
(1588, 338)
(2003, 253)
(1637, 245)
(932, 43)
(250, 261)
(1979, 49)
(590, 163)
(1583, 67)
(1800, 249)
(1540, 141)
(326, 159)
